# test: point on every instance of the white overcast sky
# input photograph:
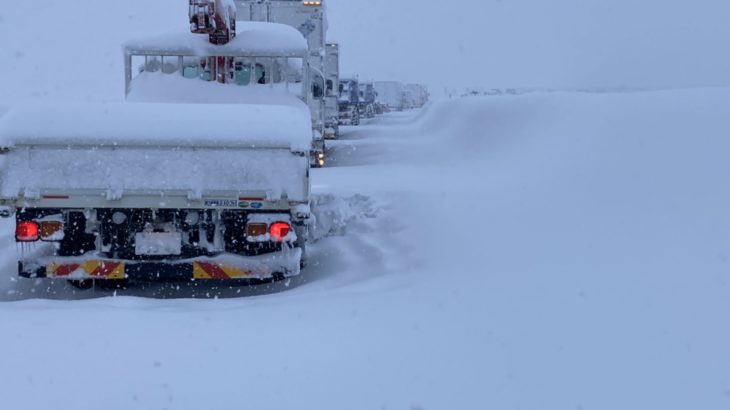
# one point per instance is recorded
(541, 43)
(488, 43)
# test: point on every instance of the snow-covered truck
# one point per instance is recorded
(349, 101)
(209, 181)
(331, 97)
(310, 19)
(416, 95)
(390, 93)
(367, 99)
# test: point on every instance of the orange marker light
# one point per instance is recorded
(49, 228)
(255, 229)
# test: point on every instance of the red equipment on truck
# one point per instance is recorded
(217, 19)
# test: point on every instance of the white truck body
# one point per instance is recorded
(416, 95)
(390, 93)
(332, 95)
(125, 151)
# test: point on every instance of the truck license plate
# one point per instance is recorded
(158, 243)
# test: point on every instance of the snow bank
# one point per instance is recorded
(333, 214)
(158, 125)
(252, 39)
(563, 243)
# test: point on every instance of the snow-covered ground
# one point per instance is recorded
(552, 251)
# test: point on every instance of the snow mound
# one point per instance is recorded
(333, 214)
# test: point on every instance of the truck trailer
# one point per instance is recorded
(416, 95)
(390, 94)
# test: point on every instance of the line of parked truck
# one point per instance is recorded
(358, 100)
(345, 101)
(203, 172)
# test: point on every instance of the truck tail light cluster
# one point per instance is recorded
(277, 231)
(31, 231)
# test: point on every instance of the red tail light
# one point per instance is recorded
(26, 231)
(279, 230)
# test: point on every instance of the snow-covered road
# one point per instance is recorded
(551, 251)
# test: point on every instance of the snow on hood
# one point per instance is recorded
(252, 38)
(158, 125)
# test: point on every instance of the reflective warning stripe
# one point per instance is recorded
(205, 270)
(88, 269)
(99, 269)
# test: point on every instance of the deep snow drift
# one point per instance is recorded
(544, 251)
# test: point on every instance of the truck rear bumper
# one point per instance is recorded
(222, 267)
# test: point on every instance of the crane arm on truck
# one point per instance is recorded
(217, 19)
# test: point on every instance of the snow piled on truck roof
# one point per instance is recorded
(158, 125)
(252, 38)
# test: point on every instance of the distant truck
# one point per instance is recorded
(390, 94)
(367, 100)
(202, 175)
(310, 19)
(416, 95)
(349, 101)
(332, 87)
